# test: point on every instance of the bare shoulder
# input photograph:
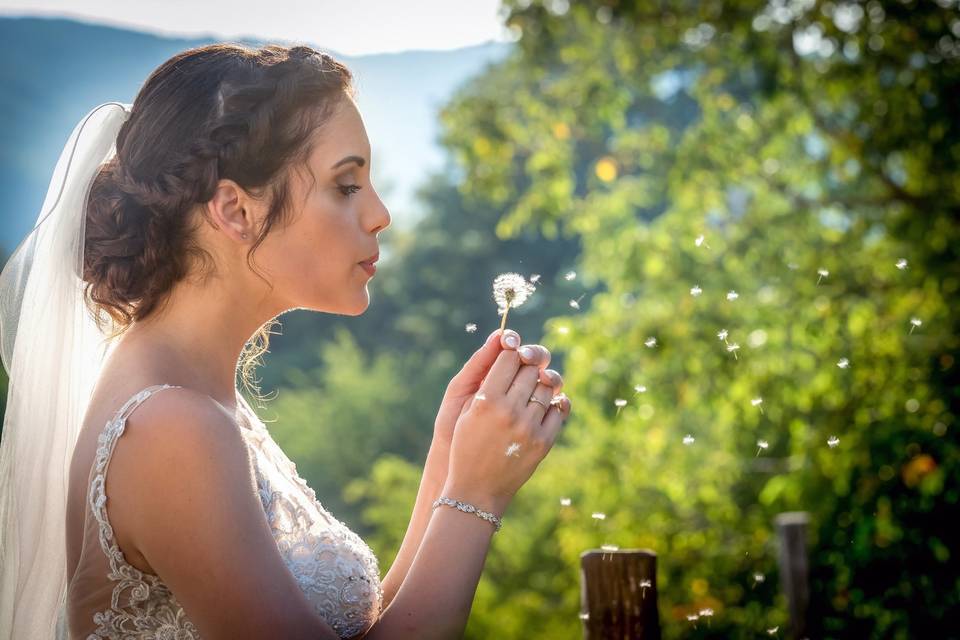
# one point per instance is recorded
(183, 492)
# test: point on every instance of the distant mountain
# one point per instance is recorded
(53, 71)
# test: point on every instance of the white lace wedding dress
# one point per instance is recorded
(336, 570)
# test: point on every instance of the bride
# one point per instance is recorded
(140, 495)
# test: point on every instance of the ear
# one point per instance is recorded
(230, 210)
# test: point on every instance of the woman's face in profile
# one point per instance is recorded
(314, 261)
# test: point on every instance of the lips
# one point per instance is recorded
(371, 259)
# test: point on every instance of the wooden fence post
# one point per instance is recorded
(618, 595)
(794, 569)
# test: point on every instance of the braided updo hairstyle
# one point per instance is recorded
(210, 112)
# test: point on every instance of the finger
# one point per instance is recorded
(553, 378)
(523, 386)
(535, 354)
(555, 418)
(501, 374)
(535, 411)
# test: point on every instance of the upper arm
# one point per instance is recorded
(184, 492)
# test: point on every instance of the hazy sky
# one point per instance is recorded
(349, 27)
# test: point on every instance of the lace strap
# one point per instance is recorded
(106, 442)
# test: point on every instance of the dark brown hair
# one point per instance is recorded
(211, 112)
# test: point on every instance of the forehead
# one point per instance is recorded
(342, 135)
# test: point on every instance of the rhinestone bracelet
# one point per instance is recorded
(469, 508)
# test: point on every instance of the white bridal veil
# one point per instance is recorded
(53, 353)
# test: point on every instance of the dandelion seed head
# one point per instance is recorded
(688, 439)
(620, 402)
(833, 441)
(513, 449)
(733, 346)
(598, 515)
(732, 295)
(564, 502)
(650, 342)
(510, 290)
(843, 363)
(570, 275)
(722, 334)
(902, 264)
(696, 291)
(471, 327)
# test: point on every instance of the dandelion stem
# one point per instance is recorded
(503, 322)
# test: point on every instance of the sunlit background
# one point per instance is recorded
(741, 221)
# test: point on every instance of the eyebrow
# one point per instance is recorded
(360, 161)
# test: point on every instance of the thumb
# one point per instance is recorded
(484, 357)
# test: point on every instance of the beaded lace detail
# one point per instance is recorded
(336, 570)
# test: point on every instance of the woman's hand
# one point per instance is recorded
(466, 383)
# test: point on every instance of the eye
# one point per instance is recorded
(349, 189)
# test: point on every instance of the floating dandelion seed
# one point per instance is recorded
(722, 334)
(570, 275)
(564, 502)
(692, 617)
(650, 342)
(512, 449)
(639, 388)
(576, 303)
(706, 613)
(902, 264)
(563, 330)
(598, 515)
(762, 445)
(609, 547)
(915, 322)
(758, 578)
(696, 291)
(584, 616)
(701, 242)
(732, 295)
(833, 441)
(471, 327)
(773, 631)
(644, 585)
(757, 402)
(688, 439)
(823, 274)
(534, 278)
(510, 290)
(843, 363)
(732, 348)
(621, 403)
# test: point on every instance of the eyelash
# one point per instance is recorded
(344, 189)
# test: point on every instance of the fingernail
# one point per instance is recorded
(512, 341)
(526, 352)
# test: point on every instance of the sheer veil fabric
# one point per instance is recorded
(53, 352)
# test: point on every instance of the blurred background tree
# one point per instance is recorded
(753, 205)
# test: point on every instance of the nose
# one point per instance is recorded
(379, 216)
